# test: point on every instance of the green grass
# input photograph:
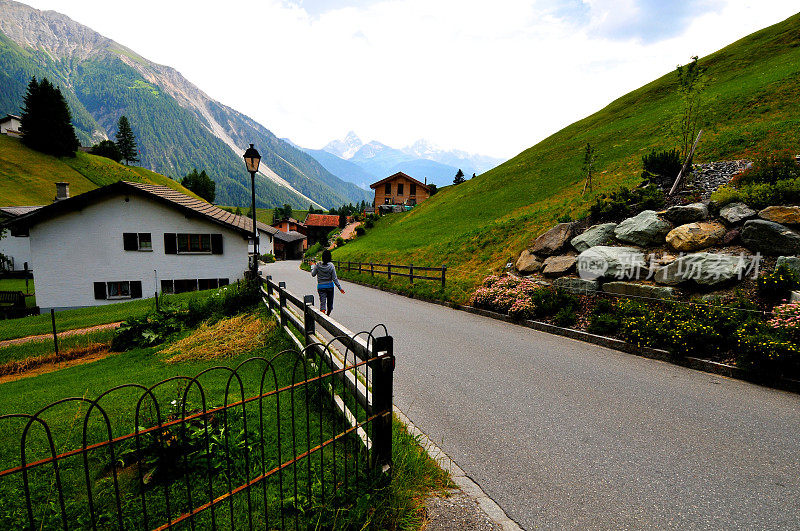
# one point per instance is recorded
(16, 284)
(479, 226)
(27, 177)
(44, 347)
(86, 317)
(264, 215)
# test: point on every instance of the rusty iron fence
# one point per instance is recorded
(289, 442)
(411, 272)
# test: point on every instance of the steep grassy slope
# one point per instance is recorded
(27, 177)
(752, 95)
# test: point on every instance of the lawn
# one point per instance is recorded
(86, 317)
(479, 226)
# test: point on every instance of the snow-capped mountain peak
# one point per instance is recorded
(346, 147)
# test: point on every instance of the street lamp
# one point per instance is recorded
(251, 160)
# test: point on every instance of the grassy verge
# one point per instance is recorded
(86, 317)
(42, 348)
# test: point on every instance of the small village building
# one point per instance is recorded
(10, 125)
(290, 245)
(400, 189)
(288, 226)
(17, 249)
(130, 240)
(318, 226)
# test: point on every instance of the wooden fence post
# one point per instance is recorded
(359, 268)
(269, 291)
(444, 270)
(389, 270)
(382, 373)
(282, 300)
(308, 319)
(411, 273)
(55, 334)
(372, 269)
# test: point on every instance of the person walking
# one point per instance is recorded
(326, 278)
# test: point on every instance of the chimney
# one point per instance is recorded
(62, 191)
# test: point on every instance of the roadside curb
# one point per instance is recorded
(495, 513)
(698, 364)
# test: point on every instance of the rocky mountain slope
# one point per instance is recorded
(178, 126)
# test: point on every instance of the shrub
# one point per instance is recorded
(313, 250)
(769, 169)
(565, 316)
(761, 349)
(107, 149)
(661, 167)
(778, 283)
(360, 231)
(369, 223)
(339, 241)
(786, 318)
(564, 218)
(603, 319)
(267, 258)
(548, 302)
(760, 195)
(625, 202)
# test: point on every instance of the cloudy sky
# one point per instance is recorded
(492, 77)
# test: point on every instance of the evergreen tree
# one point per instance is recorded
(201, 184)
(46, 120)
(459, 177)
(107, 149)
(126, 142)
(238, 211)
(473, 175)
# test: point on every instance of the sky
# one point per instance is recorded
(489, 77)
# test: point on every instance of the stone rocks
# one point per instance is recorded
(731, 237)
(695, 236)
(787, 215)
(602, 261)
(735, 213)
(559, 265)
(792, 261)
(577, 285)
(528, 263)
(769, 237)
(681, 214)
(706, 269)
(595, 235)
(553, 240)
(708, 177)
(644, 229)
(638, 290)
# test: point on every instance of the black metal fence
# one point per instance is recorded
(288, 442)
(411, 272)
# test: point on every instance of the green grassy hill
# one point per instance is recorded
(27, 177)
(752, 106)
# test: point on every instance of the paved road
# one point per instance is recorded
(564, 434)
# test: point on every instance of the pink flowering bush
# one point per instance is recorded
(786, 317)
(505, 294)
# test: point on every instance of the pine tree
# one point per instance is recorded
(46, 121)
(459, 177)
(126, 142)
(588, 167)
(201, 184)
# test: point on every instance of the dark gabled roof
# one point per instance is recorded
(289, 237)
(322, 220)
(400, 174)
(16, 211)
(9, 117)
(162, 194)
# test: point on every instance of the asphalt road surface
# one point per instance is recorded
(568, 435)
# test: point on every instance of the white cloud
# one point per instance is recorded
(490, 77)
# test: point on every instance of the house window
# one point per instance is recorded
(388, 188)
(194, 243)
(399, 188)
(413, 189)
(118, 289)
(207, 283)
(185, 284)
(137, 241)
(166, 286)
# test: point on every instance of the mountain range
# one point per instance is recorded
(177, 126)
(361, 163)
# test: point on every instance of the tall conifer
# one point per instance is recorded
(126, 142)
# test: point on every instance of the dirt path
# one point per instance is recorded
(350, 230)
(66, 333)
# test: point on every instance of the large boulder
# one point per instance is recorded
(735, 213)
(577, 285)
(552, 241)
(706, 269)
(681, 214)
(787, 215)
(559, 265)
(792, 261)
(528, 263)
(769, 237)
(644, 229)
(696, 236)
(603, 261)
(601, 234)
(635, 289)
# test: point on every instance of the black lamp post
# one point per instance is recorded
(251, 160)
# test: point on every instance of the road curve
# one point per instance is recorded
(564, 434)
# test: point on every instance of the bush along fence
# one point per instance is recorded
(291, 442)
(411, 272)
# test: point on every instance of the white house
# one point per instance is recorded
(10, 125)
(266, 234)
(16, 248)
(130, 240)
